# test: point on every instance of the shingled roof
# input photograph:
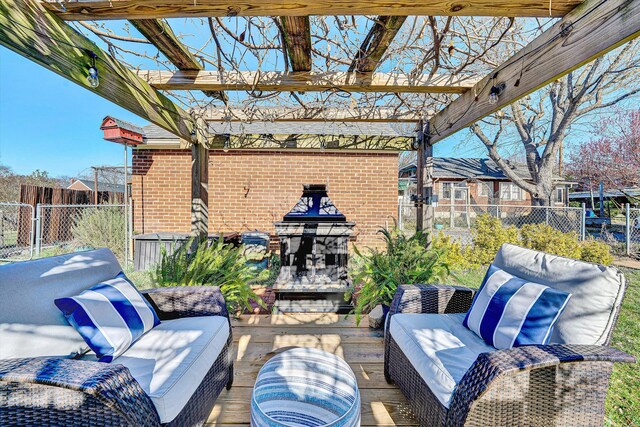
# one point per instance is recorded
(472, 168)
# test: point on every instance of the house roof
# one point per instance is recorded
(124, 124)
(610, 194)
(471, 168)
(294, 128)
(102, 186)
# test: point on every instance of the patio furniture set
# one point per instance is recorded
(79, 345)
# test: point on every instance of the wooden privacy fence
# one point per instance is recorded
(54, 229)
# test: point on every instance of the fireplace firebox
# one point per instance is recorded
(314, 254)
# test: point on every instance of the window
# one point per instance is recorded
(510, 191)
(483, 189)
(460, 191)
(560, 195)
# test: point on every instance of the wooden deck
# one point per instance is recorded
(256, 338)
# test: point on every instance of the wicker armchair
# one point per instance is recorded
(63, 391)
(558, 384)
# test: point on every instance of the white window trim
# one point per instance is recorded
(483, 188)
(453, 184)
(511, 187)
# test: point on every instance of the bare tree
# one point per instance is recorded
(460, 47)
(539, 124)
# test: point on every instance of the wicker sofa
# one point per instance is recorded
(170, 376)
(452, 377)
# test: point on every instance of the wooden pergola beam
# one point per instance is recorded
(154, 9)
(304, 81)
(589, 31)
(33, 32)
(310, 114)
(297, 38)
(376, 43)
(160, 34)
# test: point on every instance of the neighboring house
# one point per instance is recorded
(89, 185)
(256, 173)
(590, 198)
(475, 181)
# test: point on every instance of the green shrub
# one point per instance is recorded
(213, 264)
(592, 250)
(488, 235)
(543, 237)
(405, 260)
(102, 227)
(453, 253)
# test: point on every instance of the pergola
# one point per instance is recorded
(39, 30)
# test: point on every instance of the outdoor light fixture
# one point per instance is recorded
(92, 77)
(494, 93)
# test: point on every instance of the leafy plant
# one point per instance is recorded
(102, 227)
(488, 235)
(214, 264)
(545, 238)
(454, 254)
(596, 251)
(405, 260)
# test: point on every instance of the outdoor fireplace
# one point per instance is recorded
(314, 253)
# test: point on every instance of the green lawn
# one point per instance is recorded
(623, 399)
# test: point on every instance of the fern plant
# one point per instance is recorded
(211, 263)
(406, 260)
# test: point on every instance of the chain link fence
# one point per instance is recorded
(70, 228)
(632, 232)
(16, 231)
(458, 220)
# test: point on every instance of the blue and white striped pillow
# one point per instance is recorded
(510, 312)
(110, 316)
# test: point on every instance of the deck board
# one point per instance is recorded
(256, 338)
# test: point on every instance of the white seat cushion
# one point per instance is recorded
(439, 347)
(171, 360)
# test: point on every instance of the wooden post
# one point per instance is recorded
(199, 191)
(200, 184)
(420, 179)
(428, 177)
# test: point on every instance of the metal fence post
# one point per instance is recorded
(546, 214)
(38, 222)
(627, 229)
(583, 223)
(32, 231)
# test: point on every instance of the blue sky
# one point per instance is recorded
(52, 124)
(49, 123)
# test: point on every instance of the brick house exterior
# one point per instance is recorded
(251, 189)
(462, 181)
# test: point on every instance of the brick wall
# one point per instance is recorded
(250, 190)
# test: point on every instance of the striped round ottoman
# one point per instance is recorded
(305, 387)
